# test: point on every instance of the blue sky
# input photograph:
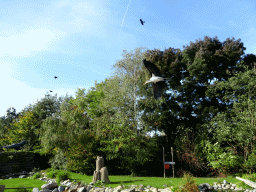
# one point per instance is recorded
(80, 41)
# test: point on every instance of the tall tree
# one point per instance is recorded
(46, 107)
(6, 125)
(121, 95)
(130, 72)
(190, 73)
(24, 129)
(60, 131)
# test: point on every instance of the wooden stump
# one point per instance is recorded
(101, 172)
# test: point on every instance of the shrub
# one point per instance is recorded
(62, 176)
(35, 176)
(190, 184)
(53, 174)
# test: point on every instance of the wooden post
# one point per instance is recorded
(2, 187)
(163, 162)
(172, 165)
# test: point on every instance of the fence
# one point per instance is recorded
(14, 166)
(2, 188)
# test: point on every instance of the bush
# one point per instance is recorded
(190, 184)
(53, 174)
(35, 176)
(62, 176)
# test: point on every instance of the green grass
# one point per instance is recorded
(125, 181)
(187, 183)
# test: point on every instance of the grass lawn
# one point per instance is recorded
(116, 180)
(125, 181)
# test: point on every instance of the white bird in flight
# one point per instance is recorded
(157, 78)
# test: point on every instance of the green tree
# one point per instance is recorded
(46, 107)
(191, 106)
(24, 129)
(6, 125)
(120, 105)
(61, 131)
(234, 130)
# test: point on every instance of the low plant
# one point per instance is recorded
(37, 175)
(99, 184)
(63, 175)
(35, 170)
(53, 174)
(83, 184)
(190, 184)
(122, 184)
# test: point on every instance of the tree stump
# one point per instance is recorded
(101, 172)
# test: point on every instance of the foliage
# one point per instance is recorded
(24, 128)
(190, 184)
(250, 164)
(194, 102)
(59, 131)
(58, 162)
(113, 111)
(35, 169)
(52, 174)
(6, 125)
(99, 184)
(234, 131)
(218, 158)
(82, 154)
(28, 122)
(62, 176)
(37, 175)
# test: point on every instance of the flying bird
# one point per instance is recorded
(55, 77)
(157, 78)
(142, 22)
(50, 91)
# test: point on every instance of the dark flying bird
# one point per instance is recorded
(50, 91)
(15, 146)
(142, 22)
(55, 77)
(157, 78)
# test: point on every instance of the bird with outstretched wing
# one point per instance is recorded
(157, 78)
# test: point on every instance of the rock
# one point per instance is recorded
(101, 172)
(104, 175)
(205, 187)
